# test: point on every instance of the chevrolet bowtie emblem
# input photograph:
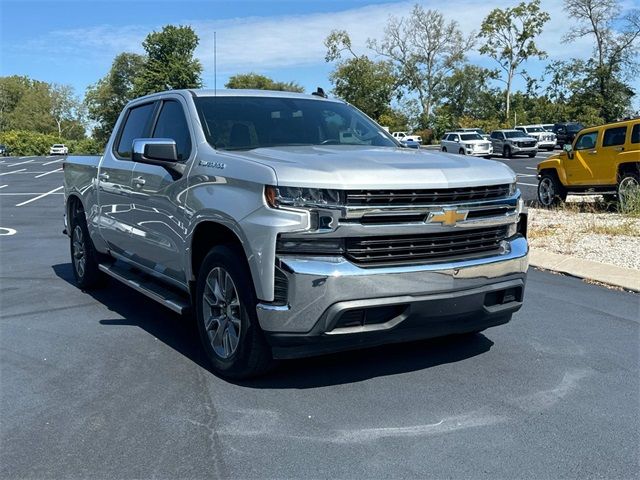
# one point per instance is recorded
(448, 216)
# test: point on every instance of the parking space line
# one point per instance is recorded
(525, 175)
(2, 186)
(39, 196)
(531, 168)
(47, 173)
(14, 194)
(54, 161)
(13, 171)
(19, 163)
(528, 184)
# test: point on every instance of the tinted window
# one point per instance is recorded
(587, 141)
(614, 136)
(495, 135)
(513, 134)
(173, 124)
(135, 127)
(242, 123)
(635, 133)
(471, 136)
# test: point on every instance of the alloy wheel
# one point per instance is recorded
(546, 191)
(221, 312)
(79, 251)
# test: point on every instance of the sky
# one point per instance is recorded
(74, 42)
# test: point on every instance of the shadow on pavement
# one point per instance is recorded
(347, 367)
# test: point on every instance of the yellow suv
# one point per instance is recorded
(603, 160)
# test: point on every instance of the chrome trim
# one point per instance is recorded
(316, 283)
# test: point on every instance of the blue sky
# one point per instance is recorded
(74, 42)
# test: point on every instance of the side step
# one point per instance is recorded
(152, 289)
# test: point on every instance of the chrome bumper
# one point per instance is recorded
(316, 285)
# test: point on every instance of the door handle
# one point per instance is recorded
(593, 152)
(103, 177)
(139, 181)
(619, 149)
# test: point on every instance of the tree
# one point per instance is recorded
(169, 63)
(65, 108)
(261, 82)
(466, 93)
(105, 99)
(365, 83)
(509, 39)
(424, 49)
(617, 42)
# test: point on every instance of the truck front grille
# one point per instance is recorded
(424, 197)
(426, 248)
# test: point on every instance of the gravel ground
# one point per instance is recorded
(585, 230)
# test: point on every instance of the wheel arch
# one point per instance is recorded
(628, 167)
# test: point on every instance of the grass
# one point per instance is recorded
(631, 206)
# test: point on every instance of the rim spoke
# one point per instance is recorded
(229, 290)
(221, 302)
(232, 336)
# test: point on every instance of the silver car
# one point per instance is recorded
(509, 143)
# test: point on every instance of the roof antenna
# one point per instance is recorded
(215, 66)
(320, 93)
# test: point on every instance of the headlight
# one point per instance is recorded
(469, 145)
(301, 197)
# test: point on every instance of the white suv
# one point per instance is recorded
(58, 149)
(466, 144)
(546, 139)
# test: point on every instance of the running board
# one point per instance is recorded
(150, 288)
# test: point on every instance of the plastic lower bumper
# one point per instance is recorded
(336, 305)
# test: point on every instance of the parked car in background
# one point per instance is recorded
(58, 149)
(566, 132)
(546, 140)
(548, 126)
(604, 159)
(466, 143)
(410, 143)
(479, 131)
(509, 142)
(404, 136)
(292, 225)
(4, 151)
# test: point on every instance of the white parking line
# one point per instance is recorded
(528, 184)
(19, 163)
(13, 171)
(39, 196)
(2, 186)
(54, 161)
(525, 175)
(54, 171)
(531, 168)
(13, 194)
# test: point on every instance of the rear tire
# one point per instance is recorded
(226, 316)
(444, 149)
(550, 191)
(461, 151)
(84, 257)
(506, 152)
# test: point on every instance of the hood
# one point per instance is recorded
(364, 167)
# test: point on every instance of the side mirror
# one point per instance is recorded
(568, 149)
(157, 151)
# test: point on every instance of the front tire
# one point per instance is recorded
(444, 149)
(628, 189)
(226, 316)
(506, 152)
(532, 154)
(461, 151)
(550, 191)
(84, 257)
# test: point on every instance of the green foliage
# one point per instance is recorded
(169, 64)
(27, 104)
(394, 119)
(261, 82)
(367, 84)
(22, 142)
(105, 99)
(509, 38)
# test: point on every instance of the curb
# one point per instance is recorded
(626, 278)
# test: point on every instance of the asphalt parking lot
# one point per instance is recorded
(109, 384)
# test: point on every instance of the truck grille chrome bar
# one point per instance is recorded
(432, 247)
(424, 197)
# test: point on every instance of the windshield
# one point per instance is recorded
(514, 134)
(57, 145)
(471, 136)
(535, 129)
(244, 123)
(574, 127)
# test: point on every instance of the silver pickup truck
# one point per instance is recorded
(293, 225)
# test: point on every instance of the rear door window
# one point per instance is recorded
(172, 124)
(635, 133)
(135, 126)
(614, 136)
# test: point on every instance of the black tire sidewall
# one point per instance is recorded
(557, 190)
(92, 275)
(241, 363)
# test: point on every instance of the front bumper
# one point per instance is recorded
(430, 300)
(515, 149)
(478, 153)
